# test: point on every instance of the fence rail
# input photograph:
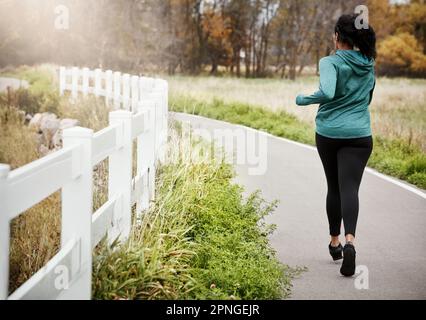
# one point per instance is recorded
(142, 116)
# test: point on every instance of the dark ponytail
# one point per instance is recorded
(363, 39)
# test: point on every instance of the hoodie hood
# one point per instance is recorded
(359, 63)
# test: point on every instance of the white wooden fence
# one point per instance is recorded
(142, 117)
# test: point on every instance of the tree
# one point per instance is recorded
(217, 30)
(401, 54)
(238, 13)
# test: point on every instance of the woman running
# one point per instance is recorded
(343, 130)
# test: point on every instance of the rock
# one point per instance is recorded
(64, 124)
(49, 123)
(57, 139)
(50, 129)
(43, 150)
(39, 139)
(35, 121)
(45, 122)
(68, 123)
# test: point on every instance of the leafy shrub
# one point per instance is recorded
(401, 54)
(200, 240)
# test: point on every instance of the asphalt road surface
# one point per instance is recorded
(12, 83)
(390, 244)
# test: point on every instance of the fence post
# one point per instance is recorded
(4, 234)
(120, 174)
(166, 99)
(149, 145)
(126, 91)
(62, 80)
(85, 82)
(98, 84)
(74, 82)
(146, 102)
(77, 209)
(135, 93)
(164, 115)
(108, 86)
(142, 166)
(152, 152)
(157, 96)
(117, 90)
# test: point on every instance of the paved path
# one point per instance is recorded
(12, 83)
(390, 235)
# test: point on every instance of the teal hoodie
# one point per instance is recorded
(346, 88)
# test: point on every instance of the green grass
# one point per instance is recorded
(41, 79)
(41, 96)
(279, 123)
(399, 159)
(398, 109)
(200, 240)
(390, 156)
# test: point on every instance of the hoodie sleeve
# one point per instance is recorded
(327, 88)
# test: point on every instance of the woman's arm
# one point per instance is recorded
(327, 88)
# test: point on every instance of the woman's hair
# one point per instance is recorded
(363, 39)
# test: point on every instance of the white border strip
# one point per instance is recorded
(395, 181)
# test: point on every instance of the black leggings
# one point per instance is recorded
(344, 161)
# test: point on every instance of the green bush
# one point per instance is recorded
(200, 240)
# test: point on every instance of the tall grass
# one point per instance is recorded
(35, 234)
(398, 109)
(200, 240)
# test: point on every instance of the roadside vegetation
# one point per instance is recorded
(35, 235)
(398, 109)
(200, 240)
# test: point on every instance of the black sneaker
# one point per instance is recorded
(348, 265)
(335, 252)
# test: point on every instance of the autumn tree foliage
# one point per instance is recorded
(401, 54)
(251, 38)
(217, 31)
(401, 31)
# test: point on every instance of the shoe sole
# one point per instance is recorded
(348, 265)
(335, 258)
